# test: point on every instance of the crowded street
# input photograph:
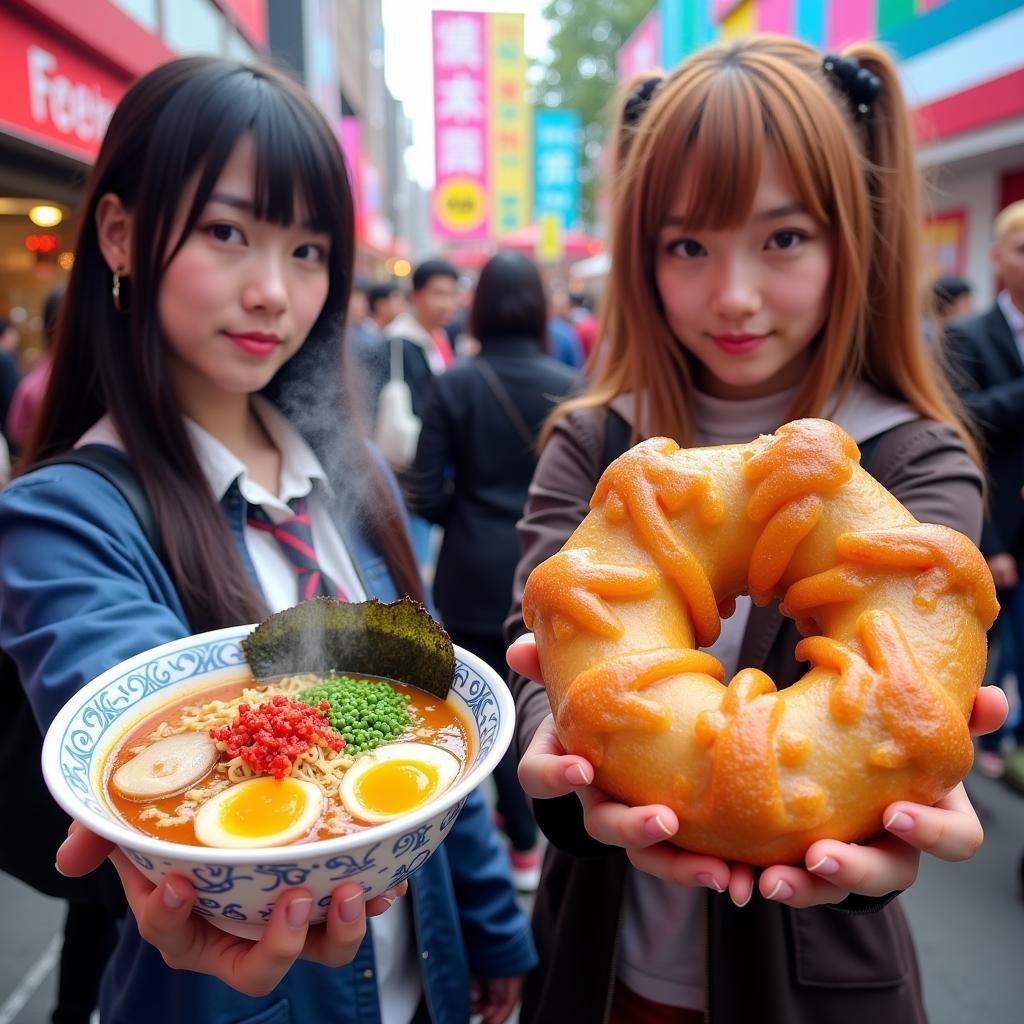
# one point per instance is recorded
(511, 511)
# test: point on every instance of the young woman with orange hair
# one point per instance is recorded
(765, 237)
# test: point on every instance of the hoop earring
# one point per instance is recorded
(115, 292)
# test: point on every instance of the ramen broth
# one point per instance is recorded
(434, 722)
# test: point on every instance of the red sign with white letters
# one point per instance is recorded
(51, 95)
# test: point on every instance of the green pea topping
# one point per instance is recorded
(367, 712)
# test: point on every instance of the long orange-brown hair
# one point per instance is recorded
(708, 127)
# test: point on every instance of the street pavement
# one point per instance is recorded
(967, 919)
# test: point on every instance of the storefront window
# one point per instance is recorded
(193, 26)
(34, 260)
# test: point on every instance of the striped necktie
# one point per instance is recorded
(295, 535)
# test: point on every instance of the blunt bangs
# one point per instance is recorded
(297, 159)
(710, 129)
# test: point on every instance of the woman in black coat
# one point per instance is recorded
(476, 456)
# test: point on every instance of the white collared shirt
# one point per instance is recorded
(398, 971)
(1014, 317)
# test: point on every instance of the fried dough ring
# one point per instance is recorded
(894, 615)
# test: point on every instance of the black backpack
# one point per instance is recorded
(35, 825)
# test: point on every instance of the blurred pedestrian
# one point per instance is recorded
(563, 341)
(952, 298)
(987, 356)
(28, 396)
(370, 364)
(201, 339)
(583, 321)
(9, 373)
(418, 349)
(476, 455)
(764, 235)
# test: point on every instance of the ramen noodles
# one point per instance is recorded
(245, 765)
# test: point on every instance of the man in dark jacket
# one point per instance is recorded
(987, 355)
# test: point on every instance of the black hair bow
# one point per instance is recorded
(640, 99)
(860, 85)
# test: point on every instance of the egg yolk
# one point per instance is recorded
(263, 808)
(394, 786)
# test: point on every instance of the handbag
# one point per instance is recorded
(397, 428)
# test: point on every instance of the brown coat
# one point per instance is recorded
(766, 962)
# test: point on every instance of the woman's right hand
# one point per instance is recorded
(190, 942)
(547, 771)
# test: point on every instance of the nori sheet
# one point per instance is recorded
(399, 641)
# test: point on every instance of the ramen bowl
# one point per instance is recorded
(236, 888)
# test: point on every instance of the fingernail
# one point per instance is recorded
(171, 900)
(57, 856)
(351, 907)
(900, 822)
(709, 881)
(746, 900)
(298, 912)
(654, 826)
(577, 775)
(782, 891)
(825, 866)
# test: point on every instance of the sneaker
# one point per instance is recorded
(525, 868)
(990, 764)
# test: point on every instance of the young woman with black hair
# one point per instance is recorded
(201, 338)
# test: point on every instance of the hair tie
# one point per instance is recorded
(860, 85)
(640, 99)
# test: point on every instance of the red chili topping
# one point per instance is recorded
(270, 736)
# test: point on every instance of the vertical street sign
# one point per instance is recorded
(461, 201)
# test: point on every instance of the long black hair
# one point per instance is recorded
(176, 126)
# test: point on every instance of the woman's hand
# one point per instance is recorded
(494, 999)
(833, 870)
(547, 771)
(189, 942)
(949, 830)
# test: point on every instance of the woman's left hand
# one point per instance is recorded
(164, 917)
(949, 830)
(494, 999)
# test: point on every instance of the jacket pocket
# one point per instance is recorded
(279, 1013)
(836, 950)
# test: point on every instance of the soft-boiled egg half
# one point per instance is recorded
(396, 778)
(260, 812)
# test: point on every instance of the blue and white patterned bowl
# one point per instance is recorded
(236, 889)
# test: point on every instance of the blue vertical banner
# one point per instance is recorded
(556, 157)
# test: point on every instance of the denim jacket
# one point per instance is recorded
(80, 590)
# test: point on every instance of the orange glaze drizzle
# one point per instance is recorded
(604, 699)
(646, 483)
(926, 726)
(944, 559)
(572, 588)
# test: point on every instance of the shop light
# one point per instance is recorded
(66, 260)
(402, 268)
(45, 216)
(41, 243)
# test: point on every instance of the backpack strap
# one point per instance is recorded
(616, 438)
(115, 468)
